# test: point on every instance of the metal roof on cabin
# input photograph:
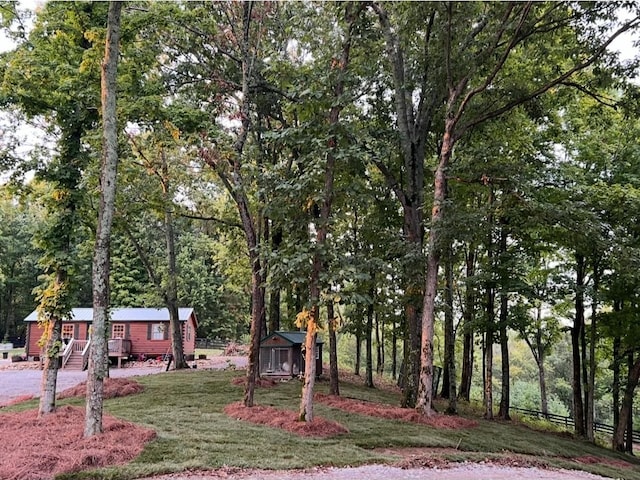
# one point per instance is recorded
(292, 337)
(123, 315)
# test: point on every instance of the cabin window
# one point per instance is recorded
(157, 331)
(67, 331)
(117, 330)
(188, 332)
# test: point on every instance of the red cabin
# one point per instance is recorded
(135, 332)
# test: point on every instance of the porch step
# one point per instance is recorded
(74, 362)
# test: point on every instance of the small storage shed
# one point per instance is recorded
(281, 355)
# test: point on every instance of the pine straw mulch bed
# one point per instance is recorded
(44, 447)
(395, 413)
(319, 427)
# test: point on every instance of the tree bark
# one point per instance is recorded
(449, 378)
(468, 316)
(352, 12)
(356, 366)
(592, 353)
(52, 347)
(618, 441)
(99, 350)
(368, 378)
(334, 380)
(505, 394)
(425, 393)
(576, 335)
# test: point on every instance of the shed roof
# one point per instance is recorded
(124, 315)
(296, 338)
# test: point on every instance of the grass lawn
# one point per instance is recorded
(185, 409)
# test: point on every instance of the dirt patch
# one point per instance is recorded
(285, 420)
(44, 447)
(395, 413)
(113, 388)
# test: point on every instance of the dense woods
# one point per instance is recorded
(444, 184)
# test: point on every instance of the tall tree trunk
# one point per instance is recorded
(368, 379)
(379, 329)
(591, 381)
(615, 387)
(449, 377)
(394, 352)
(334, 381)
(53, 330)
(99, 350)
(413, 129)
(540, 355)
(490, 315)
(425, 393)
(618, 441)
(576, 336)
(356, 367)
(505, 394)
(352, 12)
(468, 316)
(171, 290)
(634, 381)
(503, 412)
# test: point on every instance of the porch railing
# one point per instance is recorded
(119, 347)
(74, 345)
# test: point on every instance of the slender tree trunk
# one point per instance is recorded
(394, 352)
(368, 382)
(615, 387)
(334, 382)
(633, 379)
(468, 316)
(356, 367)
(576, 335)
(98, 358)
(413, 128)
(52, 348)
(379, 329)
(592, 353)
(618, 441)
(171, 289)
(449, 338)
(425, 393)
(490, 315)
(352, 12)
(503, 412)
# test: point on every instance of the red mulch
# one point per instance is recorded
(41, 448)
(285, 420)
(113, 387)
(395, 413)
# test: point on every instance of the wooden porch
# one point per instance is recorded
(75, 355)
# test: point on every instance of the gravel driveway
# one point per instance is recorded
(467, 471)
(22, 379)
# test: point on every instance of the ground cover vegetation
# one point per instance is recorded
(276, 166)
(188, 413)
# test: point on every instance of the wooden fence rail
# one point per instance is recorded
(568, 422)
(208, 343)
